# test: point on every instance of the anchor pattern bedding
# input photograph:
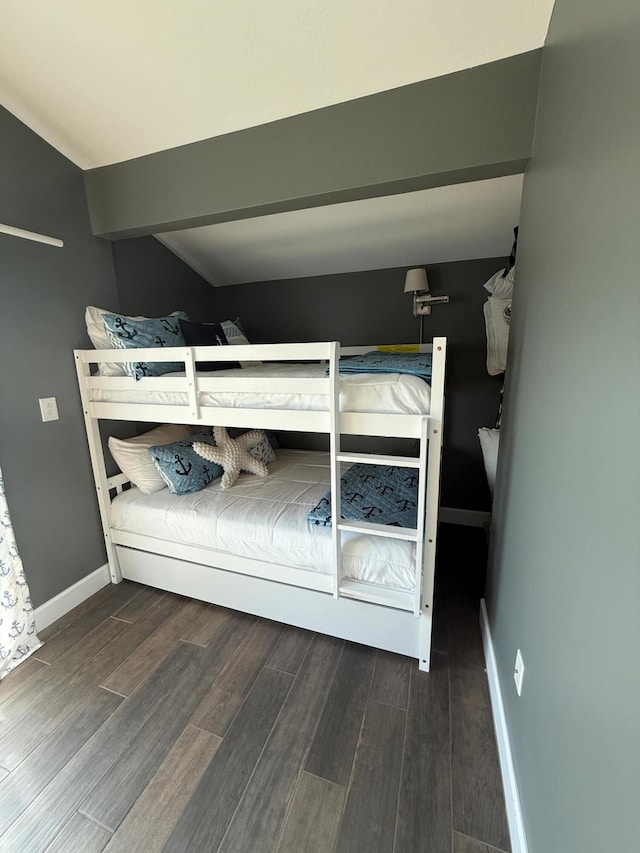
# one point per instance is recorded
(406, 363)
(384, 495)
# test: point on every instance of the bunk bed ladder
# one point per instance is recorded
(390, 597)
(334, 450)
(435, 427)
(427, 464)
(103, 484)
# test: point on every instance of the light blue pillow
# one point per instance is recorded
(383, 494)
(181, 468)
(128, 333)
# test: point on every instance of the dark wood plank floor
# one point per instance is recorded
(148, 722)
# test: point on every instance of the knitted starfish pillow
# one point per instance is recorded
(233, 454)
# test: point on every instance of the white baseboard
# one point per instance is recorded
(470, 517)
(71, 597)
(509, 781)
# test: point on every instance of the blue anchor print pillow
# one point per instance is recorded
(128, 333)
(382, 494)
(181, 468)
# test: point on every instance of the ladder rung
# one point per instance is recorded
(387, 530)
(387, 597)
(377, 459)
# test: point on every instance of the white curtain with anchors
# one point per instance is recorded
(18, 638)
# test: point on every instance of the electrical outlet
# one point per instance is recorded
(48, 408)
(518, 672)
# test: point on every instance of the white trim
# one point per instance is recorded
(509, 780)
(71, 597)
(31, 235)
(469, 517)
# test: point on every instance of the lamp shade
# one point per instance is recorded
(416, 280)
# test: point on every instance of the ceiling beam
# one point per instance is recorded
(467, 126)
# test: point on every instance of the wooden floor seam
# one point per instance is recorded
(316, 745)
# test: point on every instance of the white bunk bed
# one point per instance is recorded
(378, 615)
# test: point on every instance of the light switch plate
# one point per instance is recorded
(48, 408)
(518, 672)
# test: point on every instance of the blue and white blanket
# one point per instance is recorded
(383, 494)
(413, 363)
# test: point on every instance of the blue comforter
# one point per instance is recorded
(414, 363)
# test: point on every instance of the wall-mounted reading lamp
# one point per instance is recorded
(416, 282)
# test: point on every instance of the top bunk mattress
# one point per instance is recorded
(385, 393)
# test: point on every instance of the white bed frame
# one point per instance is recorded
(365, 613)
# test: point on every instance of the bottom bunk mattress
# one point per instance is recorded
(266, 519)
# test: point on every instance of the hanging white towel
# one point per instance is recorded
(501, 288)
(497, 313)
(497, 317)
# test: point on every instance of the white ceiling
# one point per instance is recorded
(460, 222)
(105, 82)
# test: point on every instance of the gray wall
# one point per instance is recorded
(43, 293)
(152, 281)
(471, 125)
(371, 308)
(565, 569)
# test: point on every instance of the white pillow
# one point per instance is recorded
(134, 460)
(235, 336)
(100, 340)
(490, 442)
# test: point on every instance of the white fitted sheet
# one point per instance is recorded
(265, 519)
(385, 393)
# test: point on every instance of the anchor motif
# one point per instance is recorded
(180, 466)
(5, 521)
(405, 504)
(370, 510)
(411, 480)
(7, 602)
(382, 490)
(168, 326)
(208, 476)
(142, 368)
(366, 478)
(158, 341)
(350, 497)
(123, 330)
(4, 652)
(5, 568)
(15, 630)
